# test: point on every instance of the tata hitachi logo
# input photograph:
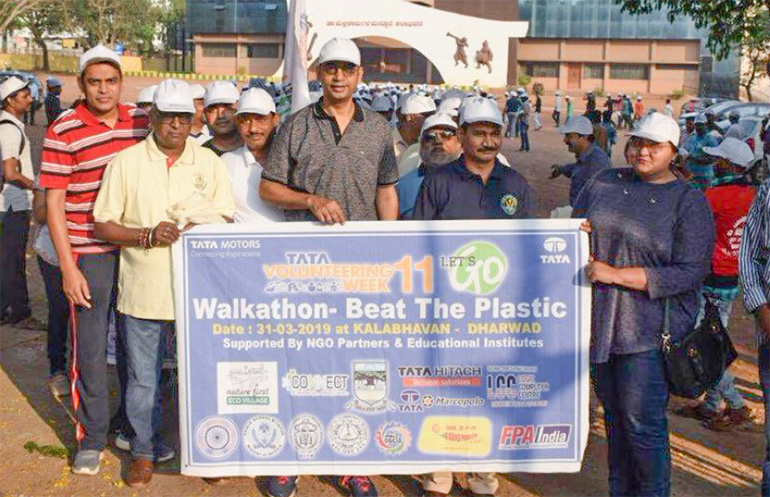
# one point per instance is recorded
(555, 246)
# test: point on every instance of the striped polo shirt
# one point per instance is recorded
(76, 150)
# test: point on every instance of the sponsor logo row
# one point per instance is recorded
(347, 434)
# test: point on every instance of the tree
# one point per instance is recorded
(731, 23)
(42, 21)
(756, 56)
(11, 9)
(131, 22)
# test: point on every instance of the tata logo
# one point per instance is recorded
(555, 246)
(410, 401)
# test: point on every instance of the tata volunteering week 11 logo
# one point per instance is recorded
(481, 269)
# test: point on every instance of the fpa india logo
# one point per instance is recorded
(481, 269)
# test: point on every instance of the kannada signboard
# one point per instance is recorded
(382, 348)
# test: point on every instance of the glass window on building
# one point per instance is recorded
(218, 50)
(541, 69)
(264, 50)
(629, 71)
(593, 71)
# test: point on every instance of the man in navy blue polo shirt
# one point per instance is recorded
(477, 185)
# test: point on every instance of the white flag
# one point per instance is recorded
(296, 54)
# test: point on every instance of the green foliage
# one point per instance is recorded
(730, 23)
(524, 79)
(677, 94)
(57, 451)
(599, 92)
(538, 89)
(131, 22)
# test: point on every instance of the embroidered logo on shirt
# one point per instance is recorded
(200, 181)
(509, 204)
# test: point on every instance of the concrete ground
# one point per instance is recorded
(705, 463)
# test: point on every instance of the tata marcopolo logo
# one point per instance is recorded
(480, 269)
(555, 247)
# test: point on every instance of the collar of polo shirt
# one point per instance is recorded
(91, 120)
(155, 155)
(497, 170)
(318, 111)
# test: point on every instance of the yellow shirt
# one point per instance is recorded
(137, 190)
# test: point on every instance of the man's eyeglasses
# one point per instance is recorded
(169, 117)
(437, 135)
(331, 68)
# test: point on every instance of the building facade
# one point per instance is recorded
(575, 45)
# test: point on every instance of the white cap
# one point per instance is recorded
(99, 53)
(437, 120)
(255, 101)
(146, 94)
(450, 106)
(418, 104)
(340, 49)
(580, 125)
(734, 150)
(567, 97)
(381, 103)
(453, 93)
(521, 90)
(220, 92)
(479, 109)
(638, 97)
(609, 95)
(52, 81)
(173, 95)
(558, 92)
(658, 128)
(197, 91)
(11, 86)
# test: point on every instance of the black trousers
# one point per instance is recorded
(58, 316)
(14, 232)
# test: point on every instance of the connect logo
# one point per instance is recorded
(481, 270)
(555, 245)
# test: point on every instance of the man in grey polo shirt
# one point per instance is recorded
(333, 161)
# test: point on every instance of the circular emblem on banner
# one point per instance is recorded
(306, 434)
(216, 437)
(264, 436)
(393, 438)
(348, 434)
(510, 204)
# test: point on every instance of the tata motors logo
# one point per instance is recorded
(554, 246)
(519, 437)
(479, 269)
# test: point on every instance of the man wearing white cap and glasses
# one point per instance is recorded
(15, 201)
(257, 121)
(333, 161)
(411, 113)
(77, 148)
(475, 186)
(145, 97)
(439, 146)
(139, 208)
(219, 112)
(199, 131)
(579, 138)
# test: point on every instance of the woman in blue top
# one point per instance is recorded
(652, 238)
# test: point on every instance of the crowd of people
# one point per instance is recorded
(119, 183)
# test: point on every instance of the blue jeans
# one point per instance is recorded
(513, 118)
(524, 136)
(634, 392)
(764, 379)
(143, 340)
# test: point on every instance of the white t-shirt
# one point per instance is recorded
(203, 136)
(12, 196)
(245, 174)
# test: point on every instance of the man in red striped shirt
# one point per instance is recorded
(77, 148)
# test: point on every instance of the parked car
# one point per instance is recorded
(698, 104)
(717, 108)
(752, 127)
(751, 109)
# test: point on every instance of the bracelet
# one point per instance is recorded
(149, 238)
(144, 237)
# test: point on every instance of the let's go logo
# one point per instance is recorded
(480, 268)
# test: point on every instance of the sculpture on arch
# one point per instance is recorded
(460, 55)
(484, 56)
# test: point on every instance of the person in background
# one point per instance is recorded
(556, 116)
(412, 111)
(601, 137)
(730, 197)
(439, 146)
(688, 134)
(199, 131)
(638, 108)
(383, 106)
(512, 110)
(34, 92)
(735, 130)
(570, 108)
(669, 110)
(652, 237)
(524, 117)
(257, 121)
(538, 111)
(53, 99)
(590, 99)
(219, 113)
(579, 138)
(612, 134)
(15, 203)
(711, 125)
(627, 114)
(609, 104)
(145, 97)
(698, 162)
